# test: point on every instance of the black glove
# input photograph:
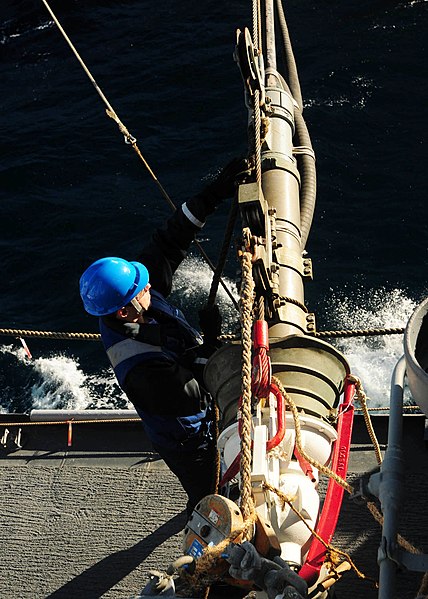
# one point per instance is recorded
(210, 324)
(224, 185)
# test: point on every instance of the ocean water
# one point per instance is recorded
(72, 191)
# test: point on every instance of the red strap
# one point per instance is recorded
(280, 415)
(333, 499)
(261, 371)
(304, 465)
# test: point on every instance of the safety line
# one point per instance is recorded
(132, 141)
(230, 337)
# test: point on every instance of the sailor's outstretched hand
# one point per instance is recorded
(275, 577)
(225, 183)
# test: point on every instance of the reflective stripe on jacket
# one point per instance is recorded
(125, 352)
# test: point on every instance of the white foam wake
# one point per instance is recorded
(372, 359)
(62, 382)
(55, 382)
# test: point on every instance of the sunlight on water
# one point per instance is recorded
(60, 381)
(372, 359)
(191, 289)
(56, 382)
(360, 90)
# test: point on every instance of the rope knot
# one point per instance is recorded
(354, 379)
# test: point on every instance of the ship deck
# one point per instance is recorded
(92, 519)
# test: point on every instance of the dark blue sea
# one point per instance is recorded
(72, 191)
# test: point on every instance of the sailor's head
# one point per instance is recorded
(116, 286)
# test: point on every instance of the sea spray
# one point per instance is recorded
(191, 288)
(56, 381)
(60, 385)
(372, 359)
(63, 381)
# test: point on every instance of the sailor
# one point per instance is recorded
(155, 353)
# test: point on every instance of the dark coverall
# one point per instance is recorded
(176, 410)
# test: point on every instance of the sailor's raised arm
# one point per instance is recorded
(170, 243)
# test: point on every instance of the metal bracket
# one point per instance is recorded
(310, 323)
(4, 438)
(253, 207)
(250, 64)
(11, 440)
(415, 562)
(205, 529)
(284, 257)
(387, 552)
(364, 489)
(271, 161)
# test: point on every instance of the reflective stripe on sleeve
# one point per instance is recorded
(191, 217)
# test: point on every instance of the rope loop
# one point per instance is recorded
(315, 463)
(334, 552)
(361, 397)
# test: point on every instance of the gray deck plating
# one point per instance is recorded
(91, 520)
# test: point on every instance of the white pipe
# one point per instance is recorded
(60, 415)
(391, 485)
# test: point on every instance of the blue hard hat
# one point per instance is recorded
(111, 283)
